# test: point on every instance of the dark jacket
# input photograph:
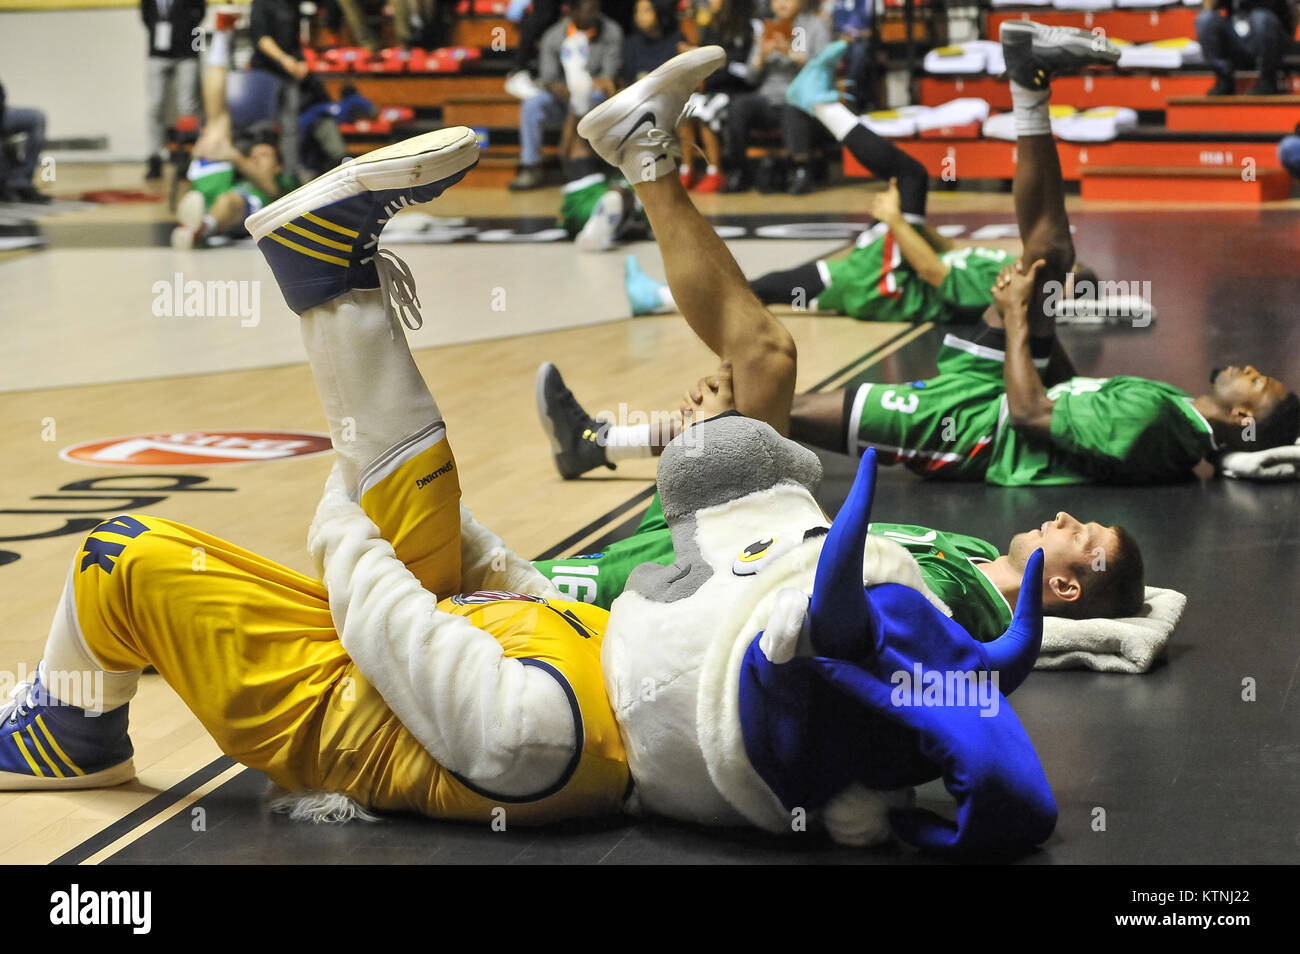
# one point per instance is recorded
(734, 77)
(184, 16)
(277, 19)
(641, 54)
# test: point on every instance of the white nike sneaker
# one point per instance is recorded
(636, 129)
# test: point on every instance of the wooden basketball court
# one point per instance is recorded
(1189, 770)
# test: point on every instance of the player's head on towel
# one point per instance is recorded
(1250, 411)
(1089, 570)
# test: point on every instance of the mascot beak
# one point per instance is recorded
(844, 623)
(1013, 653)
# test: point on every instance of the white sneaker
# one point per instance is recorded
(598, 234)
(636, 129)
(521, 86)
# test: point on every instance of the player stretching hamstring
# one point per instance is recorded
(226, 185)
(901, 269)
(988, 415)
(979, 584)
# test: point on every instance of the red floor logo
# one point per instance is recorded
(195, 448)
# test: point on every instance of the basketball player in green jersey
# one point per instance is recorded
(1006, 406)
(900, 269)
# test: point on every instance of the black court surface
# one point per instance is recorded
(1179, 765)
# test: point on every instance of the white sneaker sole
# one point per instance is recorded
(190, 210)
(693, 66)
(414, 162)
(106, 778)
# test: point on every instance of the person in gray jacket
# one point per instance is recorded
(789, 39)
(580, 59)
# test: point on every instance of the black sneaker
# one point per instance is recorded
(1035, 53)
(1223, 86)
(154, 169)
(577, 438)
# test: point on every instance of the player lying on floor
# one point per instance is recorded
(1006, 406)
(227, 184)
(1089, 570)
(368, 692)
(901, 268)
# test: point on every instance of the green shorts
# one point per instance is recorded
(214, 179)
(943, 427)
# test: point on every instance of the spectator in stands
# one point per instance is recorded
(355, 13)
(654, 40)
(789, 38)
(173, 66)
(731, 25)
(277, 49)
(1288, 153)
(851, 20)
(16, 178)
(1245, 34)
(581, 58)
(533, 24)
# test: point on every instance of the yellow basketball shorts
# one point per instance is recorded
(250, 647)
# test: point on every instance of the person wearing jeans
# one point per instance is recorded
(1243, 34)
(581, 57)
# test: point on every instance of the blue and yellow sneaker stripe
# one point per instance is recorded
(323, 242)
(36, 756)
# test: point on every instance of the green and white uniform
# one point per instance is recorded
(1119, 430)
(876, 283)
(213, 179)
(579, 198)
(946, 561)
(954, 426)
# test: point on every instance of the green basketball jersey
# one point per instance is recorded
(1107, 430)
(947, 562)
(941, 427)
(944, 559)
(876, 283)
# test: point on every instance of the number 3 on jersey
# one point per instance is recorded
(894, 402)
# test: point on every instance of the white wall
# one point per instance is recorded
(86, 69)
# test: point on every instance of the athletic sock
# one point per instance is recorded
(207, 226)
(219, 47)
(627, 441)
(711, 170)
(1033, 117)
(886, 161)
(837, 118)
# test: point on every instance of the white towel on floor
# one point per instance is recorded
(1130, 645)
(1278, 463)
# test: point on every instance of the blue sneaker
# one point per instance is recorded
(46, 745)
(321, 240)
(815, 83)
(642, 290)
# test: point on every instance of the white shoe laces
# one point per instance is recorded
(400, 297)
(21, 699)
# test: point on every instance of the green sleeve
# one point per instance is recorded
(1132, 427)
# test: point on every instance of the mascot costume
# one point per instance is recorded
(757, 680)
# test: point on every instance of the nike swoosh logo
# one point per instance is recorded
(646, 117)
